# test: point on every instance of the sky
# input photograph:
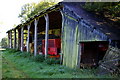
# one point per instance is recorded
(9, 11)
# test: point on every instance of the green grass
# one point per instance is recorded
(20, 65)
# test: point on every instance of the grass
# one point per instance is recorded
(22, 65)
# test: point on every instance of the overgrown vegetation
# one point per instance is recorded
(51, 61)
(110, 10)
(38, 58)
(3, 42)
(22, 65)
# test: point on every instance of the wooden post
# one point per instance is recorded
(28, 45)
(62, 41)
(79, 55)
(35, 37)
(46, 35)
(10, 39)
(19, 39)
(14, 38)
(22, 38)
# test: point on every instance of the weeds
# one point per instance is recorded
(51, 61)
(23, 64)
(39, 58)
(25, 55)
(11, 50)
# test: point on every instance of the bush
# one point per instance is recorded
(39, 58)
(24, 54)
(12, 50)
(17, 53)
(51, 61)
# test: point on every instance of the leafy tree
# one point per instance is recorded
(31, 9)
(3, 42)
(26, 10)
(106, 9)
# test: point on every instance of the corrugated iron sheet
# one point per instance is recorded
(74, 31)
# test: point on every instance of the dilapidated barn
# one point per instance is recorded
(85, 37)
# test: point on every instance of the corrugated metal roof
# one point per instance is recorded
(111, 31)
(40, 14)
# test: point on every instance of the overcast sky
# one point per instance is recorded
(9, 11)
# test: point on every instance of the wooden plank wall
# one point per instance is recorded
(74, 31)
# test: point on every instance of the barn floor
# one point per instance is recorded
(14, 66)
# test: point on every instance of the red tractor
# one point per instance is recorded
(54, 46)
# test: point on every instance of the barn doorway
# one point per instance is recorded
(92, 52)
(54, 33)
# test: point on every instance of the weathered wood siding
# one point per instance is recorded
(74, 31)
(110, 62)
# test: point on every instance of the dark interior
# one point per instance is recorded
(55, 22)
(92, 52)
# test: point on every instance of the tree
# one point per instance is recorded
(31, 9)
(25, 11)
(110, 10)
(3, 42)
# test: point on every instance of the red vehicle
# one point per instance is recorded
(54, 46)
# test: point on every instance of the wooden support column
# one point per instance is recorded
(10, 39)
(15, 39)
(35, 37)
(46, 35)
(62, 41)
(79, 56)
(19, 39)
(22, 38)
(28, 35)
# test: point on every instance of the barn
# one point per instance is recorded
(83, 36)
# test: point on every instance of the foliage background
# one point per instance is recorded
(109, 10)
(3, 42)
(31, 9)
